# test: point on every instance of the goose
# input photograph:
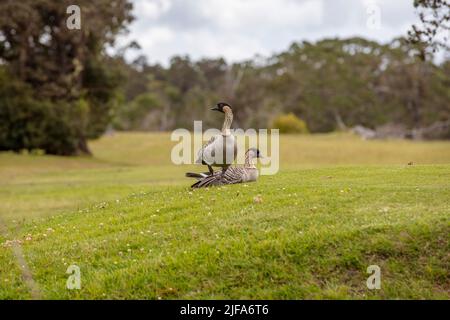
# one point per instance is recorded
(247, 173)
(224, 143)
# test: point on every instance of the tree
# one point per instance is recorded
(435, 24)
(62, 66)
(331, 84)
(27, 123)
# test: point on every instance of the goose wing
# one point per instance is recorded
(201, 153)
(231, 176)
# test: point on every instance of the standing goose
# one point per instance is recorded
(247, 173)
(221, 149)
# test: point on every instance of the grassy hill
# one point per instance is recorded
(128, 219)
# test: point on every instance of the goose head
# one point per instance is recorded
(222, 107)
(254, 153)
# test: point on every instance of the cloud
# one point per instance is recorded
(240, 29)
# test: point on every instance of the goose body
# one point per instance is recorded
(233, 175)
(221, 149)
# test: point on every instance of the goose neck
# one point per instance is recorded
(248, 161)
(227, 123)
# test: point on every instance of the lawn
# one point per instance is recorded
(127, 218)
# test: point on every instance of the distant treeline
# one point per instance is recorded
(330, 84)
(58, 87)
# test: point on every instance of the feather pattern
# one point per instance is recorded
(201, 152)
(232, 175)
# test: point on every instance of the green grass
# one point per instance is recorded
(127, 218)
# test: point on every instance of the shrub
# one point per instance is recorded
(290, 123)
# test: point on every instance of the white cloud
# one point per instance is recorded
(239, 29)
(260, 15)
(151, 9)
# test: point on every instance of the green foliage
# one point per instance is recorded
(30, 124)
(71, 85)
(101, 79)
(290, 123)
(136, 113)
(435, 23)
(331, 84)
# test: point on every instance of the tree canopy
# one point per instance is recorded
(65, 72)
(331, 84)
(434, 27)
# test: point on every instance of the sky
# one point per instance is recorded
(240, 29)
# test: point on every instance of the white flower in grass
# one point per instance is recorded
(258, 199)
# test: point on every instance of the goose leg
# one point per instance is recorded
(211, 171)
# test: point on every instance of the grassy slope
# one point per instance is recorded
(128, 220)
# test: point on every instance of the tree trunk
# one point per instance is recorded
(23, 54)
(339, 122)
(83, 148)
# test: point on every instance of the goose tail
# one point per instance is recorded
(209, 181)
(197, 175)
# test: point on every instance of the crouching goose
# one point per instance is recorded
(247, 173)
(221, 149)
